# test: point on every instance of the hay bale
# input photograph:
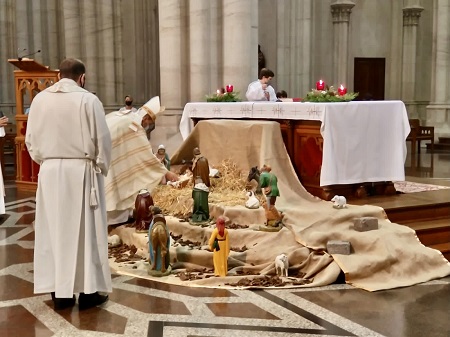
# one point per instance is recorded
(227, 190)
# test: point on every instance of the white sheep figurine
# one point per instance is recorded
(339, 201)
(282, 265)
(252, 201)
(114, 241)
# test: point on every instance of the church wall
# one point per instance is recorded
(370, 39)
(423, 84)
(185, 49)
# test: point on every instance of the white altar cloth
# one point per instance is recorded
(363, 141)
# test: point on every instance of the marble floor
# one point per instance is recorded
(140, 307)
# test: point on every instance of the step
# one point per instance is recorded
(432, 232)
(415, 213)
(444, 140)
(439, 147)
(444, 248)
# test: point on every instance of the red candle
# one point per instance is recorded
(229, 88)
(342, 90)
(320, 85)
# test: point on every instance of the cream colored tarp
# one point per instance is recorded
(389, 257)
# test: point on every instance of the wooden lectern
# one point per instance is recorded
(31, 78)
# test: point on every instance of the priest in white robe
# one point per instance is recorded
(68, 136)
(3, 123)
(133, 164)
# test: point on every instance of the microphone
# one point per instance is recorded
(31, 54)
(19, 51)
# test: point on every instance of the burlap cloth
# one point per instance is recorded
(389, 257)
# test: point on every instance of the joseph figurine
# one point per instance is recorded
(200, 167)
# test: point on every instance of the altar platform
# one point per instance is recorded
(348, 148)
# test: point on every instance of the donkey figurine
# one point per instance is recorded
(253, 180)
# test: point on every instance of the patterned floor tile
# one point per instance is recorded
(16, 321)
(149, 304)
(93, 319)
(12, 288)
(242, 310)
(188, 291)
(14, 254)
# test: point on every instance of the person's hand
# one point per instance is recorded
(170, 176)
(264, 86)
(4, 121)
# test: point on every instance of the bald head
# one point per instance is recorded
(72, 68)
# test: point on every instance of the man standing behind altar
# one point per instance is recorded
(260, 90)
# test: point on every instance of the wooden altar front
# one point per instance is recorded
(304, 144)
(31, 78)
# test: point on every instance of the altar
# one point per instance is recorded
(349, 148)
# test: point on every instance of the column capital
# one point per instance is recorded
(341, 10)
(411, 15)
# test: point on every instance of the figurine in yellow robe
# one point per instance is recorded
(220, 245)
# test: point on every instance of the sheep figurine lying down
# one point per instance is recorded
(114, 241)
(252, 201)
(339, 201)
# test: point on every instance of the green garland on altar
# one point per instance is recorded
(329, 95)
(225, 97)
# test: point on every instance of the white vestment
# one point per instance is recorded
(133, 165)
(255, 92)
(68, 136)
(2, 185)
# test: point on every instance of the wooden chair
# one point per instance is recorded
(419, 133)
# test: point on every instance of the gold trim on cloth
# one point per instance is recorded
(149, 112)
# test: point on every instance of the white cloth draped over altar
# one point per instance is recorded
(363, 141)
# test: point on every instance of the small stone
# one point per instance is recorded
(365, 224)
(338, 247)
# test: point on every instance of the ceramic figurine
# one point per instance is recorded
(339, 201)
(282, 265)
(252, 201)
(220, 246)
(142, 215)
(200, 167)
(158, 244)
(163, 157)
(253, 180)
(269, 185)
(200, 212)
(114, 241)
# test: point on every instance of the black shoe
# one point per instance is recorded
(86, 301)
(63, 303)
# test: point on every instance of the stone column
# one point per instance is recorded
(174, 80)
(108, 51)
(72, 28)
(52, 42)
(294, 50)
(340, 11)
(411, 16)
(199, 50)
(7, 51)
(88, 54)
(240, 43)
(438, 112)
